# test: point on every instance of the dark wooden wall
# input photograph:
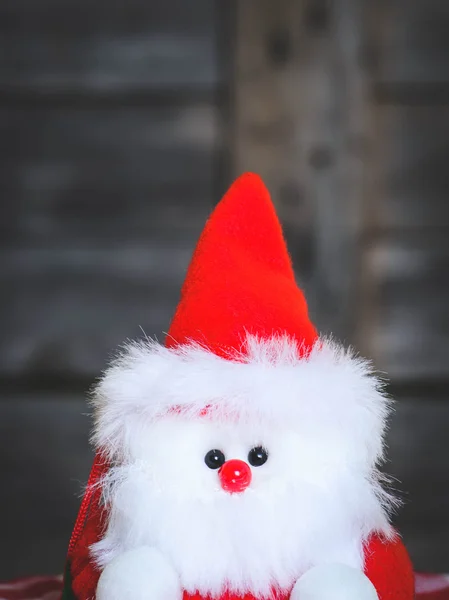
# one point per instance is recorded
(115, 123)
(109, 157)
(343, 107)
(405, 295)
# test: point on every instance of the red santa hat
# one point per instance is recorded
(241, 280)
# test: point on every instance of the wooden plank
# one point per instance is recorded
(413, 185)
(416, 46)
(407, 335)
(49, 45)
(96, 176)
(418, 451)
(300, 121)
(102, 212)
(45, 460)
(65, 312)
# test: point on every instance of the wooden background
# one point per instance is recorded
(343, 107)
(120, 126)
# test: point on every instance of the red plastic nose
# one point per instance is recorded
(235, 476)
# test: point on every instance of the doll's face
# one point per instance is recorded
(286, 502)
(278, 474)
(290, 503)
(203, 460)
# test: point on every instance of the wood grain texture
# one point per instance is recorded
(301, 114)
(102, 210)
(402, 318)
(413, 186)
(100, 176)
(408, 336)
(98, 46)
(108, 150)
(45, 461)
(65, 312)
(416, 45)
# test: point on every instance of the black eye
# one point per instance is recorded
(214, 459)
(258, 456)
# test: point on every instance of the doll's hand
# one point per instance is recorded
(334, 582)
(140, 574)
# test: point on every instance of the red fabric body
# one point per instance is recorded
(241, 278)
(229, 596)
(388, 566)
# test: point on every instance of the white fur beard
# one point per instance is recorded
(247, 542)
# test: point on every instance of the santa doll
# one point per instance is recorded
(239, 459)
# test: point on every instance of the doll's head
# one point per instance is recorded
(242, 469)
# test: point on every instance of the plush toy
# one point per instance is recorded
(238, 460)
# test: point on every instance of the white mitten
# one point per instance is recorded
(334, 582)
(140, 574)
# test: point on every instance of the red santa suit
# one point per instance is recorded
(242, 454)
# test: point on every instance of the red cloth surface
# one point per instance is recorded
(428, 587)
(241, 280)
